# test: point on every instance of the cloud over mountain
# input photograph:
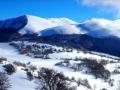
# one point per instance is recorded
(112, 6)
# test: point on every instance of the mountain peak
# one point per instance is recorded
(37, 24)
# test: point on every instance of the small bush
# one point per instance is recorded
(58, 64)
(2, 59)
(116, 71)
(84, 83)
(19, 63)
(32, 68)
(29, 75)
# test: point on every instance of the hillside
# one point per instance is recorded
(58, 61)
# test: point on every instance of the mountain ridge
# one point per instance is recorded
(33, 24)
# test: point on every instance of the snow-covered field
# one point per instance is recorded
(19, 79)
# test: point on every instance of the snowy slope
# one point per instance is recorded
(62, 21)
(63, 30)
(37, 25)
(19, 79)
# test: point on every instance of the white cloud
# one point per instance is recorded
(105, 5)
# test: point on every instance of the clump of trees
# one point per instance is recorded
(9, 68)
(97, 69)
(93, 66)
(49, 79)
(4, 81)
(38, 51)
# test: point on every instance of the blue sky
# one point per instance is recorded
(72, 9)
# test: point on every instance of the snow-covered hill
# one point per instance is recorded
(20, 81)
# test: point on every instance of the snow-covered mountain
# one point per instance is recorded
(33, 24)
(74, 34)
(37, 25)
(94, 27)
(28, 24)
(63, 30)
(101, 27)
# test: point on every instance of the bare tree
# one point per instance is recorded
(4, 81)
(49, 79)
